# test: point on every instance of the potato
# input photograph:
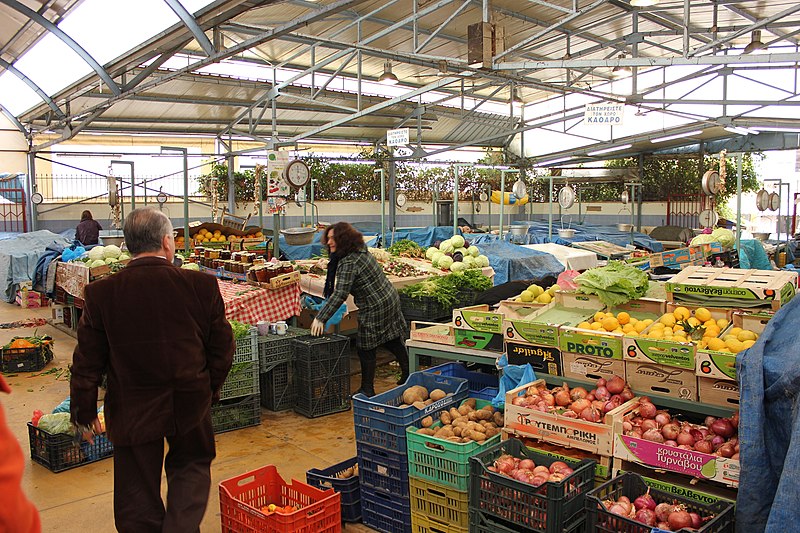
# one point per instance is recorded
(437, 394)
(454, 413)
(457, 431)
(428, 401)
(404, 405)
(482, 414)
(423, 392)
(464, 410)
(497, 418)
(415, 393)
(346, 473)
(454, 439)
(479, 428)
(427, 421)
(491, 432)
(471, 403)
(489, 408)
(445, 417)
(426, 431)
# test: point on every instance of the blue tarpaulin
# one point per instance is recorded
(511, 262)
(18, 258)
(752, 255)
(425, 237)
(537, 234)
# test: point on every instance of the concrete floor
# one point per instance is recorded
(81, 498)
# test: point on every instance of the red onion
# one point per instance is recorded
(645, 399)
(653, 435)
(685, 438)
(670, 443)
(685, 447)
(541, 469)
(577, 393)
(615, 385)
(549, 399)
(562, 398)
(618, 509)
(735, 419)
(610, 406)
(646, 516)
(557, 477)
(663, 525)
(662, 511)
(566, 472)
(649, 424)
(539, 480)
(663, 418)
(519, 400)
(704, 446)
(627, 426)
(591, 414)
(601, 393)
(505, 464)
(709, 420)
(726, 450)
(697, 521)
(601, 382)
(580, 404)
(723, 427)
(703, 431)
(526, 464)
(647, 410)
(521, 475)
(591, 397)
(599, 405)
(734, 441)
(671, 431)
(558, 466)
(735, 456)
(679, 519)
(696, 434)
(626, 394)
(717, 441)
(569, 414)
(645, 501)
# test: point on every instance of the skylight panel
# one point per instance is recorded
(15, 95)
(52, 65)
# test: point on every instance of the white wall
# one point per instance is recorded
(13, 148)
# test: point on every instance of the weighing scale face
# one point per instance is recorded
(774, 201)
(297, 173)
(566, 197)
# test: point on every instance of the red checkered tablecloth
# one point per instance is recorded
(249, 304)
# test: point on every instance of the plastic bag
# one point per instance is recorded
(315, 304)
(63, 407)
(513, 376)
(73, 252)
(57, 423)
(565, 280)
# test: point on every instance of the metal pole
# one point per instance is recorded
(231, 182)
(738, 201)
(502, 200)
(133, 181)
(550, 215)
(259, 199)
(455, 197)
(382, 174)
(31, 190)
(435, 204)
(276, 235)
(490, 207)
(184, 151)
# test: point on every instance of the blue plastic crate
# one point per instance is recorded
(477, 380)
(380, 421)
(489, 393)
(349, 488)
(383, 470)
(385, 512)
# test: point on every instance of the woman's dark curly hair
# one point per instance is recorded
(348, 239)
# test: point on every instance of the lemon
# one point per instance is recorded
(544, 298)
(526, 296)
(618, 330)
(596, 326)
(633, 320)
(610, 323)
(702, 314)
(722, 323)
(610, 315)
(658, 325)
(585, 325)
(748, 344)
(715, 344)
(667, 320)
(623, 318)
(734, 345)
(693, 322)
(656, 334)
(735, 332)
(711, 322)
(552, 290)
(746, 335)
(648, 321)
(632, 334)
(640, 327)
(677, 327)
(711, 331)
(627, 328)
(598, 316)
(536, 290)
(681, 313)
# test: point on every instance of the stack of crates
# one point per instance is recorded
(239, 405)
(382, 448)
(275, 360)
(321, 374)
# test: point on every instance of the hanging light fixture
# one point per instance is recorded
(643, 3)
(621, 71)
(755, 43)
(515, 97)
(388, 77)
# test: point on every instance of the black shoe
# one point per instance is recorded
(368, 393)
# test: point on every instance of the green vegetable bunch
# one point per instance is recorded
(406, 248)
(615, 283)
(445, 289)
(239, 330)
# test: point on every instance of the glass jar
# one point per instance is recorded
(261, 274)
(286, 267)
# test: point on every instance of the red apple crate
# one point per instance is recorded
(242, 497)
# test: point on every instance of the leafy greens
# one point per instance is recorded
(614, 284)
(445, 289)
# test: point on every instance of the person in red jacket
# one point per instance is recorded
(17, 513)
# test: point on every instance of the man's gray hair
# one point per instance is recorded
(144, 230)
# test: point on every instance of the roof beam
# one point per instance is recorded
(10, 116)
(66, 39)
(759, 24)
(789, 57)
(191, 24)
(30, 83)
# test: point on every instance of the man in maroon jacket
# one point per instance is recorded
(160, 334)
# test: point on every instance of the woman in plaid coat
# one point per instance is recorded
(353, 270)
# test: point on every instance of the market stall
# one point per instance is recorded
(571, 258)
(511, 262)
(250, 304)
(538, 232)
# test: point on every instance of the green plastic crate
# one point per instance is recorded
(443, 462)
(440, 504)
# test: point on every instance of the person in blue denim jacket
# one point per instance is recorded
(769, 428)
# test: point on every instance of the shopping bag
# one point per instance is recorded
(513, 376)
(315, 304)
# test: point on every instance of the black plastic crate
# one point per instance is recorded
(237, 413)
(25, 359)
(59, 452)
(321, 395)
(479, 523)
(349, 488)
(242, 380)
(277, 387)
(631, 485)
(274, 349)
(550, 508)
(465, 298)
(425, 308)
(321, 349)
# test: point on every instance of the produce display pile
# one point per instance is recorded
(527, 471)
(456, 254)
(665, 515)
(535, 293)
(103, 255)
(465, 424)
(444, 289)
(615, 283)
(577, 402)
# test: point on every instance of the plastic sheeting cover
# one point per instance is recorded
(18, 258)
(511, 262)
(537, 234)
(752, 255)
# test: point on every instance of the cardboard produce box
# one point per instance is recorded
(723, 392)
(722, 365)
(543, 359)
(732, 287)
(541, 327)
(586, 367)
(662, 380)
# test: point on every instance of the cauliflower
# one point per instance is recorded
(96, 253)
(111, 251)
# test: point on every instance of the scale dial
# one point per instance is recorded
(774, 201)
(712, 183)
(37, 198)
(297, 173)
(708, 218)
(400, 199)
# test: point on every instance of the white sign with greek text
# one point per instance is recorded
(607, 114)
(397, 137)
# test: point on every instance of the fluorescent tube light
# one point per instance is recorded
(676, 136)
(553, 161)
(609, 150)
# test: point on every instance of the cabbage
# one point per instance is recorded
(447, 247)
(482, 261)
(724, 237)
(458, 241)
(458, 266)
(190, 266)
(469, 261)
(123, 256)
(97, 263)
(96, 253)
(436, 256)
(445, 262)
(703, 238)
(110, 260)
(111, 251)
(473, 251)
(430, 251)
(462, 251)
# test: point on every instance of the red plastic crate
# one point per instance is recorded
(242, 497)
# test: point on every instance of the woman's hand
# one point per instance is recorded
(317, 327)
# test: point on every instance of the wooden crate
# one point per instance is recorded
(556, 429)
(753, 288)
(662, 380)
(432, 332)
(659, 456)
